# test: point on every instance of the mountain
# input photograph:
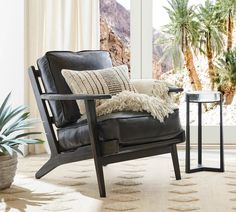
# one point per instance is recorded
(115, 36)
(117, 17)
(110, 41)
(157, 52)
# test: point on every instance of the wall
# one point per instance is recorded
(12, 71)
(211, 135)
(12, 50)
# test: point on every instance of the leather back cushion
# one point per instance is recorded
(50, 66)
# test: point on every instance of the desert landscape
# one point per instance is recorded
(115, 37)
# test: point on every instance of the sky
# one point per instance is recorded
(160, 16)
(125, 3)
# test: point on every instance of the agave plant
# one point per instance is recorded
(226, 75)
(14, 128)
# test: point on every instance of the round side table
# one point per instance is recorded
(201, 97)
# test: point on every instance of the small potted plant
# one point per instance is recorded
(14, 126)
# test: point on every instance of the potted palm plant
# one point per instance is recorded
(13, 125)
(226, 75)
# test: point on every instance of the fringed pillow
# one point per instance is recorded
(104, 81)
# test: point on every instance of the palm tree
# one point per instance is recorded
(180, 35)
(211, 34)
(226, 75)
(231, 6)
(229, 9)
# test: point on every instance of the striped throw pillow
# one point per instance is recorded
(104, 81)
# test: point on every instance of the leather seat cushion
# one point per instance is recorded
(122, 128)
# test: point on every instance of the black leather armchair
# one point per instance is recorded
(108, 139)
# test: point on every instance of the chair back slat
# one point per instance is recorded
(43, 110)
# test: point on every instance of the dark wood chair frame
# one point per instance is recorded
(58, 158)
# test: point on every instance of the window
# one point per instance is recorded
(159, 13)
(131, 32)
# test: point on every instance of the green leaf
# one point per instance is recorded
(22, 123)
(212, 28)
(14, 135)
(40, 141)
(25, 141)
(12, 114)
(1, 149)
(3, 106)
(2, 136)
(8, 149)
(181, 32)
(15, 149)
(13, 123)
(5, 113)
(27, 134)
(226, 70)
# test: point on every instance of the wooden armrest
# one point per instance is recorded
(175, 90)
(55, 97)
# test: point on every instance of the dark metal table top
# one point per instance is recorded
(203, 96)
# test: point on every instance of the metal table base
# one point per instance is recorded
(190, 98)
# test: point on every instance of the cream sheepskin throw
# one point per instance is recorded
(152, 98)
(153, 87)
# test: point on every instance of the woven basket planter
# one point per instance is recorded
(8, 166)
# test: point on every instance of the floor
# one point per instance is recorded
(141, 185)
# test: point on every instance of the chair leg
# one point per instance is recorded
(100, 177)
(45, 169)
(175, 160)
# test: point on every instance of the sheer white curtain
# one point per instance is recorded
(57, 25)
